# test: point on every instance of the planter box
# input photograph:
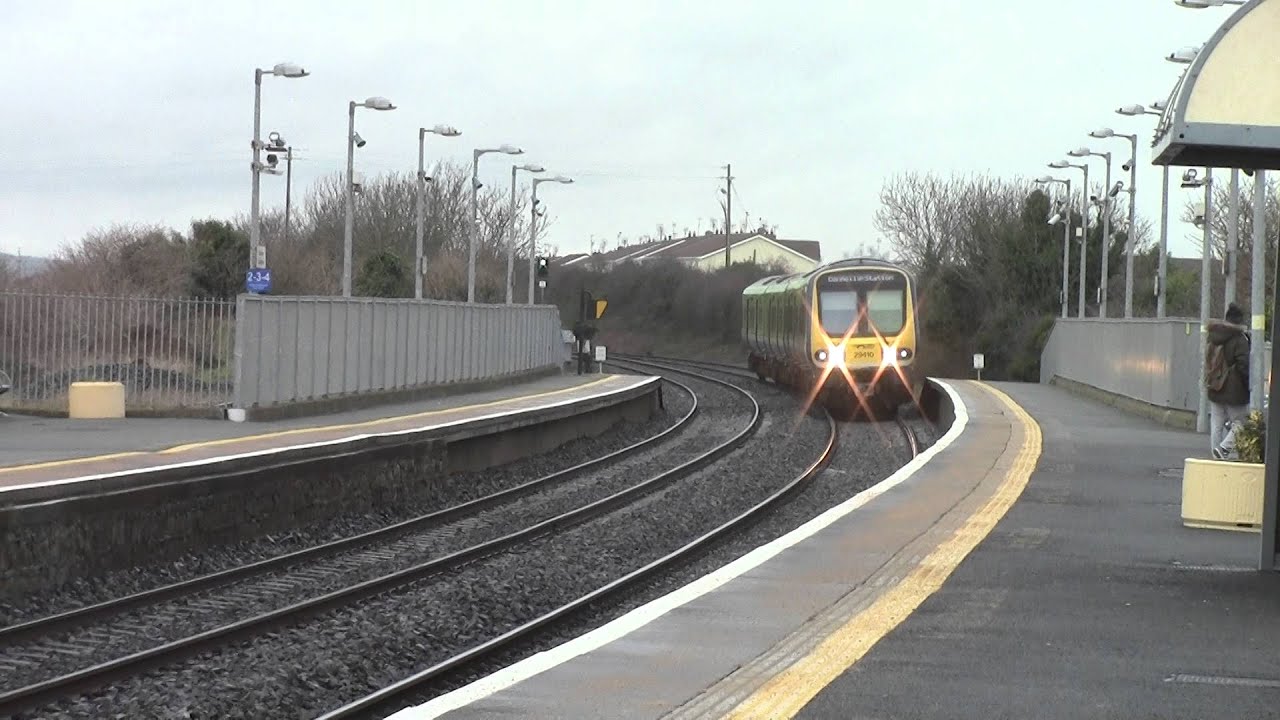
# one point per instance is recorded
(1222, 495)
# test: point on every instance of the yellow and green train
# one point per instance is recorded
(845, 333)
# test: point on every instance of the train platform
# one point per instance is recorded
(40, 450)
(1032, 563)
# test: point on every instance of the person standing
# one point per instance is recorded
(1227, 379)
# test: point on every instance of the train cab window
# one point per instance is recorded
(837, 310)
(886, 310)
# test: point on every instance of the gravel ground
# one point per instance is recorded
(308, 669)
(720, 416)
(467, 486)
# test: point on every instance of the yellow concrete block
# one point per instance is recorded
(1222, 495)
(92, 400)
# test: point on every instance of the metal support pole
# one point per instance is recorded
(1131, 239)
(1202, 414)
(255, 232)
(288, 189)
(1084, 238)
(1257, 291)
(1066, 248)
(419, 265)
(350, 220)
(1271, 471)
(511, 235)
(475, 227)
(728, 206)
(533, 237)
(1233, 241)
(1103, 284)
(1163, 272)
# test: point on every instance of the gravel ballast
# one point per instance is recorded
(306, 670)
(465, 487)
(722, 413)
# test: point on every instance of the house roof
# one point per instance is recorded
(692, 247)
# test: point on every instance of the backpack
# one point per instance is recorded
(1216, 369)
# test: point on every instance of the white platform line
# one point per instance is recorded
(323, 443)
(654, 609)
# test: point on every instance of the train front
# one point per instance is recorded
(863, 334)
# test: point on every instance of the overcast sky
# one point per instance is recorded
(136, 111)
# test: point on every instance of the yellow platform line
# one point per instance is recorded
(298, 431)
(787, 693)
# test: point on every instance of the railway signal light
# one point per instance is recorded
(543, 267)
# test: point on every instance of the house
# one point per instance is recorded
(707, 252)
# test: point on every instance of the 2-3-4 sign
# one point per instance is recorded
(258, 280)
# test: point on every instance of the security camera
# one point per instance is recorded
(276, 140)
(272, 159)
(1247, 171)
(1190, 175)
(1115, 189)
(1057, 218)
(1127, 166)
(358, 140)
(357, 183)
(477, 184)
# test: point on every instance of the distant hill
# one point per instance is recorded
(24, 264)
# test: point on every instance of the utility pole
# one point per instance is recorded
(728, 210)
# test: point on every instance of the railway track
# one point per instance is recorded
(908, 433)
(477, 655)
(86, 633)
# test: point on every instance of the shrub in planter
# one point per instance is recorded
(1251, 438)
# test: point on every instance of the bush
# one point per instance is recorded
(1251, 438)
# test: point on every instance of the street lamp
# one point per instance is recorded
(1190, 179)
(420, 262)
(1084, 224)
(475, 220)
(1106, 225)
(1132, 167)
(353, 139)
(533, 224)
(1183, 55)
(287, 70)
(1066, 234)
(1202, 4)
(511, 237)
(1157, 109)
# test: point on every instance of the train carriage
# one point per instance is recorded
(848, 329)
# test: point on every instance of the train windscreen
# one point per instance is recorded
(871, 299)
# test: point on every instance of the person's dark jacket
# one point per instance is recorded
(1235, 342)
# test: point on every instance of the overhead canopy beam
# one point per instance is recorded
(1225, 111)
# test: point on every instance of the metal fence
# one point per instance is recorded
(294, 349)
(1156, 361)
(167, 352)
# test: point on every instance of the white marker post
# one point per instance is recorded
(979, 362)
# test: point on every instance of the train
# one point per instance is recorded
(846, 333)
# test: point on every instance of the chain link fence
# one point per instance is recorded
(169, 353)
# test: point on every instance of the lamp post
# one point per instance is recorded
(288, 70)
(1066, 234)
(475, 219)
(511, 234)
(1190, 180)
(1084, 225)
(354, 140)
(1163, 269)
(533, 224)
(1105, 205)
(1130, 239)
(419, 259)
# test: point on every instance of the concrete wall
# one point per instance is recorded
(292, 350)
(1156, 362)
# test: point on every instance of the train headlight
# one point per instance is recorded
(821, 355)
(905, 354)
